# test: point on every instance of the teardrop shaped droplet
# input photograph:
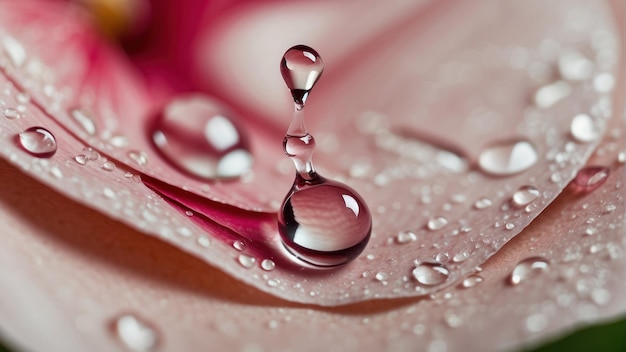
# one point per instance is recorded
(134, 333)
(198, 136)
(508, 157)
(589, 178)
(322, 222)
(301, 67)
(524, 196)
(38, 142)
(527, 269)
(431, 274)
(584, 129)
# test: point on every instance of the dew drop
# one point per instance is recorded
(135, 334)
(84, 119)
(589, 178)
(239, 245)
(551, 94)
(471, 281)
(381, 276)
(203, 241)
(81, 159)
(584, 129)
(108, 166)
(437, 223)
(246, 261)
(11, 113)
(482, 203)
(139, 157)
(460, 257)
(508, 158)
(268, 265)
(574, 66)
(524, 196)
(322, 222)
(528, 268)
(604, 83)
(431, 274)
(38, 142)
(200, 137)
(405, 237)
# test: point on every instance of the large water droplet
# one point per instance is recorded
(431, 274)
(38, 141)
(525, 195)
(301, 67)
(589, 178)
(198, 136)
(135, 334)
(527, 269)
(584, 129)
(507, 158)
(322, 222)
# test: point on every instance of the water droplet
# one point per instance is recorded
(471, 281)
(14, 50)
(239, 245)
(203, 241)
(108, 166)
(381, 276)
(437, 223)
(268, 265)
(604, 83)
(38, 141)
(11, 113)
(551, 94)
(621, 157)
(84, 119)
(509, 226)
(536, 322)
(507, 158)
(246, 261)
(199, 136)
(527, 269)
(322, 222)
(404, 237)
(482, 203)
(139, 157)
(136, 334)
(584, 129)
(81, 159)
(460, 257)
(431, 274)
(574, 66)
(589, 178)
(442, 257)
(91, 154)
(525, 195)
(301, 67)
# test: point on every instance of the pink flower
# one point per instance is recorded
(460, 124)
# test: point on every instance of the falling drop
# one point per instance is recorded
(84, 119)
(589, 178)
(199, 136)
(431, 274)
(322, 222)
(508, 158)
(524, 196)
(527, 269)
(135, 334)
(584, 129)
(437, 223)
(38, 141)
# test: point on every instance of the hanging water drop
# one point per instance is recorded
(200, 137)
(135, 334)
(508, 157)
(431, 274)
(589, 178)
(322, 222)
(38, 142)
(527, 269)
(524, 196)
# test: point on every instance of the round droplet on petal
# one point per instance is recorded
(246, 261)
(301, 67)
(527, 269)
(508, 157)
(324, 223)
(199, 136)
(430, 274)
(524, 196)
(589, 178)
(268, 264)
(584, 129)
(11, 113)
(135, 334)
(38, 142)
(471, 281)
(437, 223)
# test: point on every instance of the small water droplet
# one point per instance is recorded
(437, 223)
(621, 157)
(139, 157)
(527, 269)
(11, 113)
(38, 142)
(322, 222)
(404, 237)
(508, 158)
(381, 276)
(108, 166)
(81, 159)
(203, 241)
(460, 257)
(268, 265)
(239, 245)
(551, 94)
(574, 66)
(536, 322)
(109, 193)
(246, 261)
(442, 257)
(135, 334)
(431, 274)
(200, 137)
(118, 141)
(589, 178)
(482, 203)
(525, 195)
(584, 129)
(509, 226)
(84, 119)
(91, 154)
(604, 83)
(471, 281)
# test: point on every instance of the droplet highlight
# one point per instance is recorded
(38, 141)
(508, 157)
(200, 137)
